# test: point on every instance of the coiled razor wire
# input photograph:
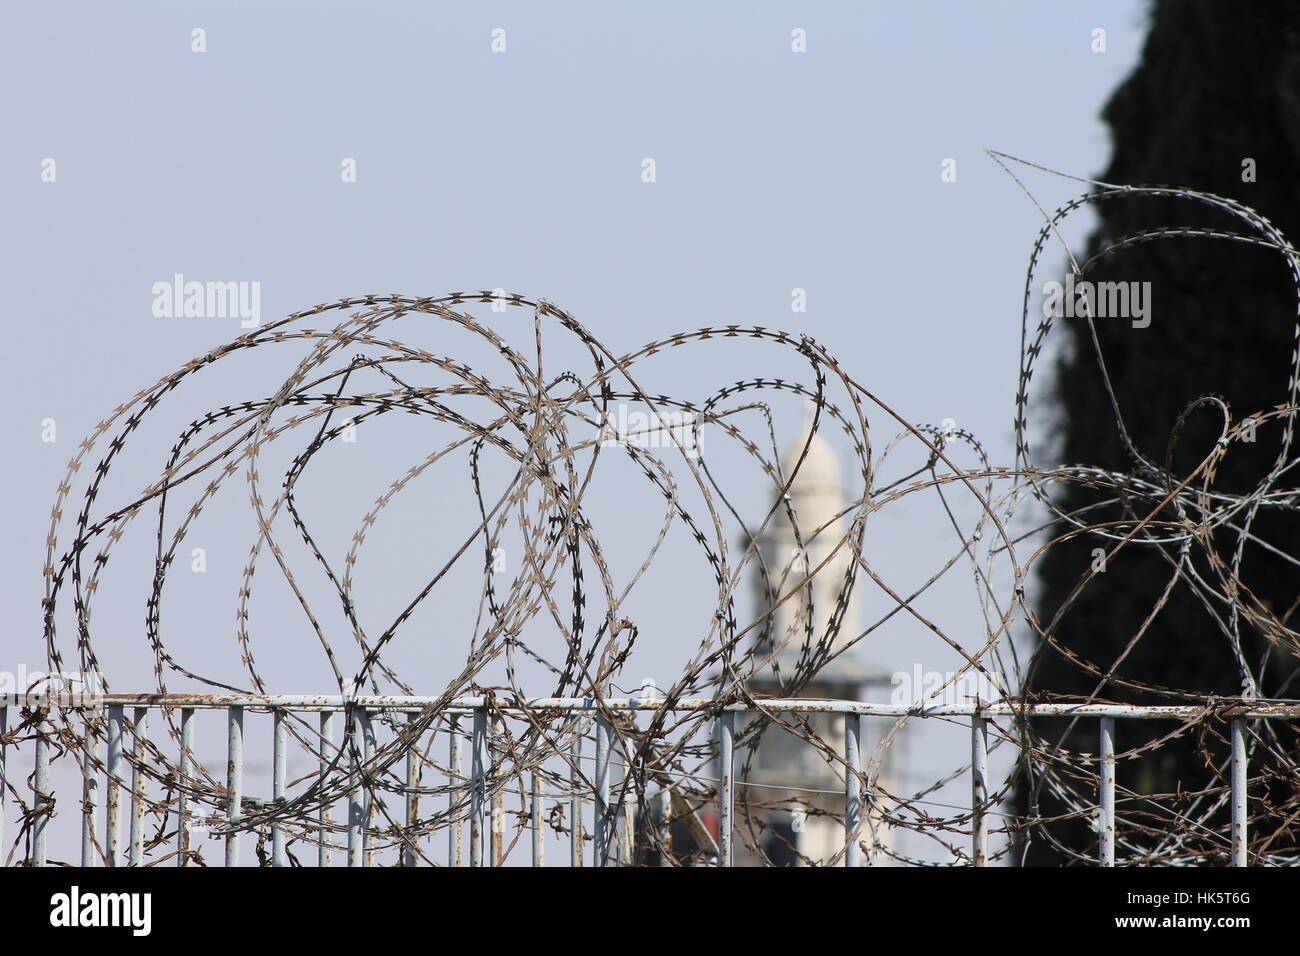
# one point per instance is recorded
(551, 430)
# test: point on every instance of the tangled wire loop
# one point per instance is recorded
(559, 617)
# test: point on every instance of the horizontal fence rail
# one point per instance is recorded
(586, 775)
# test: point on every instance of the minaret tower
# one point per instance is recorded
(795, 660)
(792, 549)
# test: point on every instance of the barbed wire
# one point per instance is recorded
(533, 445)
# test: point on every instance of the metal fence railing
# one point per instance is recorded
(388, 751)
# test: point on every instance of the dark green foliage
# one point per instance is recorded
(1218, 83)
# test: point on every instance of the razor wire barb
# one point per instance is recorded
(551, 431)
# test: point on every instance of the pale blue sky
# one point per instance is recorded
(521, 170)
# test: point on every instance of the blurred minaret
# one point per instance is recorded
(788, 779)
(791, 550)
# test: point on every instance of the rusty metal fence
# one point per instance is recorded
(385, 787)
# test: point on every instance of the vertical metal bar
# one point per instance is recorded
(1239, 792)
(4, 729)
(1106, 799)
(354, 745)
(575, 801)
(279, 770)
(140, 729)
(409, 855)
(726, 785)
(628, 845)
(601, 845)
(852, 789)
(89, 795)
(494, 809)
(498, 829)
(234, 780)
(328, 719)
(979, 789)
(535, 812)
(113, 838)
(453, 762)
(665, 825)
(358, 808)
(368, 805)
(618, 791)
(187, 769)
(42, 798)
(478, 791)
